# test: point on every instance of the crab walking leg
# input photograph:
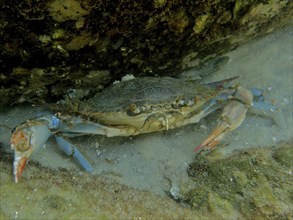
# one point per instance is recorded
(73, 151)
(232, 117)
(30, 136)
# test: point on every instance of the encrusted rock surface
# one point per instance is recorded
(49, 47)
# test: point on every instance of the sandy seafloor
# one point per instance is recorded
(147, 165)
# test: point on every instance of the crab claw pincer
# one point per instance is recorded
(232, 117)
(26, 139)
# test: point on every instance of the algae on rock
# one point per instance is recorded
(68, 39)
(255, 183)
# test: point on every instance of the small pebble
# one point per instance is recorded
(203, 127)
(98, 152)
(285, 100)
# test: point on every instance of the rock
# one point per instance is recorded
(253, 184)
(70, 38)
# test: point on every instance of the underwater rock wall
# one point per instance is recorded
(49, 47)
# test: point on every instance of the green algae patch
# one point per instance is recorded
(250, 184)
(255, 183)
(284, 156)
(221, 207)
(43, 193)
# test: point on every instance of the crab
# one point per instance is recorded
(137, 106)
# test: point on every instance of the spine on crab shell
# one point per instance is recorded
(221, 83)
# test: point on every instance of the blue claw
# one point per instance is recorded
(274, 111)
(71, 150)
(257, 92)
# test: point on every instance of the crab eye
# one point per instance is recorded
(133, 110)
(182, 102)
(176, 104)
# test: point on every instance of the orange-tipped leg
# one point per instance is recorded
(232, 117)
